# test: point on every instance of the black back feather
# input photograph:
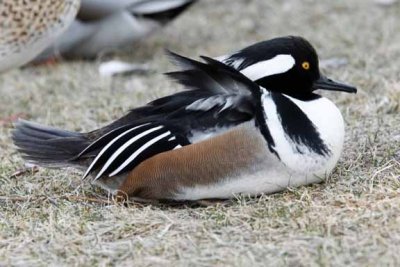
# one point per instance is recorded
(212, 81)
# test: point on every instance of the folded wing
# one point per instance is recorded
(217, 97)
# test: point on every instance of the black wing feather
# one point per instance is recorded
(214, 76)
(205, 81)
(103, 141)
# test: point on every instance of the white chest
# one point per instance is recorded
(328, 124)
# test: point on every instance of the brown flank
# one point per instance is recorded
(203, 163)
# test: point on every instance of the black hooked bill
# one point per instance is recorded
(327, 84)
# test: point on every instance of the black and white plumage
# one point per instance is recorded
(126, 147)
(224, 135)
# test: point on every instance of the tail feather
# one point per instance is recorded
(48, 146)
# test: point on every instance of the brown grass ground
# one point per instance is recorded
(352, 219)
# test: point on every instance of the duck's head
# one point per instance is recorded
(288, 65)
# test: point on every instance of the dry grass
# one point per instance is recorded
(49, 217)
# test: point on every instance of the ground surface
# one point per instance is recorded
(51, 217)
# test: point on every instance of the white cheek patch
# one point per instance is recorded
(276, 65)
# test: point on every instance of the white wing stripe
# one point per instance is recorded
(137, 152)
(103, 136)
(107, 146)
(122, 148)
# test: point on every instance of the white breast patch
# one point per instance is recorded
(328, 122)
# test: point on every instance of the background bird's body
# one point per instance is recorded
(96, 9)
(28, 27)
(88, 39)
(103, 26)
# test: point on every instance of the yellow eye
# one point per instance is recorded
(305, 65)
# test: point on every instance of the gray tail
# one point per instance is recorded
(47, 146)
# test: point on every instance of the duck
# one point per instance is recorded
(29, 26)
(250, 122)
(107, 25)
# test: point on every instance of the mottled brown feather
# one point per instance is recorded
(26, 23)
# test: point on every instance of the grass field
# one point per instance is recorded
(49, 217)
